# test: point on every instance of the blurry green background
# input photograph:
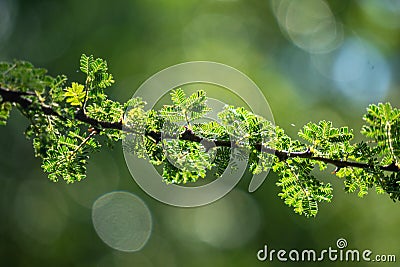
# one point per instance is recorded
(312, 59)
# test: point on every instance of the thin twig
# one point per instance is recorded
(86, 94)
(188, 135)
(84, 142)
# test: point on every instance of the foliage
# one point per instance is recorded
(62, 141)
(68, 122)
(75, 94)
(5, 109)
(185, 109)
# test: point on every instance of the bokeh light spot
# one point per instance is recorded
(360, 72)
(122, 220)
(309, 24)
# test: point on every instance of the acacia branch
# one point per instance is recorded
(20, 98)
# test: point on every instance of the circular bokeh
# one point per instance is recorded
(122, 220)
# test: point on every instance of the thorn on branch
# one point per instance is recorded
(336, 169)
(94, 130)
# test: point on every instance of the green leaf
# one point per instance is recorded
(98, 65)
(5, 109)
(172, 114)
(383, 127)
(104, 80)
(86, 63)
(189, 159)
(178, 96)
(75, 94)
(185, 109)
(300, 189)
(23, 76)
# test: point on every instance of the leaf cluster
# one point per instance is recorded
(62, 141)
(69, 121)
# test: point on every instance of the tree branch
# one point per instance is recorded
(20, 98)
